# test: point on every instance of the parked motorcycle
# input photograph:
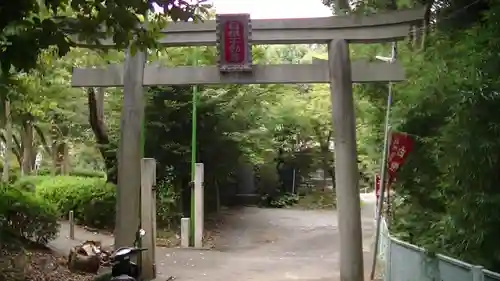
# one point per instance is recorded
(122, 268)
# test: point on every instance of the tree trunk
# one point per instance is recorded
(427, 23)
(60, 157)
(16, 149)
(27, 148)
(46, 145)
(8, 142)
(53, 150)
(96, 120)
(57, 149)
(328, 169)
(65, 165)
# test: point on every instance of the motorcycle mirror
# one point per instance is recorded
(142, 232)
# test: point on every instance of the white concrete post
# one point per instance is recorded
(71, 225)
(128, 191)
(346, 167)
(185, 222)
(148, 168)
(199, 205)
(477, 273)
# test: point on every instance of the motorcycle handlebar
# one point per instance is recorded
(132, 252)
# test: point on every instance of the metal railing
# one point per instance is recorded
(406, 262)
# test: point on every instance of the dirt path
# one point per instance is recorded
(265, 245)
(269, 245)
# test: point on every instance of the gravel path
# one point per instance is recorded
(261, 245)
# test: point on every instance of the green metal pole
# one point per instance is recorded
(193, 151)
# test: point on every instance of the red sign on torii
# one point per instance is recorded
(234, 42)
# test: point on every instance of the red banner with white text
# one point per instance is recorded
(401, 146)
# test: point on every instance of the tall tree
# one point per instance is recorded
(30, 26)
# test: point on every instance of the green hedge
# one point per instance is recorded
(76, 173)
(92, 200)
(29, 183)
(23, 214)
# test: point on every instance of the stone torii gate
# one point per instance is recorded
(338, 71)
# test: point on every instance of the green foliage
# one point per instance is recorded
(253, 124)
(452, 177)
(23, 214)
(30, 26)
(447, 191)
(168, 212)
(448, 188)
(278, 200)
(170, 142)
(29, 183)
(318, 199)
(266, 179)
(91, 199)
(236, 125)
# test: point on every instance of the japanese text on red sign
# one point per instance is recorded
(401, 145)
(234, 49)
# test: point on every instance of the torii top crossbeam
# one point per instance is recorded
(352, 28)
(383, 27)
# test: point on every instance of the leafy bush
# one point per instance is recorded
(29, 183)
(25, 215)
(279, 200)
(267, 179)
(91, 199)
(168, 212)
(318, 199)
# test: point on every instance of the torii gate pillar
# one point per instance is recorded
(128, 193)
(346, 167)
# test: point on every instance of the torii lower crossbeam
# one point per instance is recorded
(362, 72)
